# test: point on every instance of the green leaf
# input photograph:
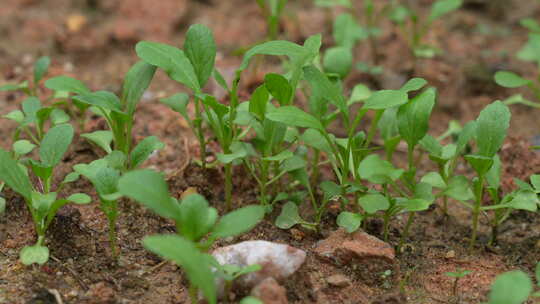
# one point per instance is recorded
(79, 198)
(40, 68)
(531, 50)
(34, 254)
(294, 163)
(250, 300)
(288, 217)
(16, 116)
(23, 146)
(2, 205)
(144, 149)
(136, 81)
(360, 92)
(67, 84)
(31, 107)
(378, 171)
(284, 155)
(481, 164)
(105, 181)
(413, 84)
(385, 99)
(238, 151)
(178, 103)
(415, 204)
(491, 127)
(535, 181)
(200, 48)
(102, 139)
(493, 176)
(23, 86)
(55, 144)
(194, 216)
(277, 48)
(102, 99)
(58, 117)
(172, 60)
(313, 138)
(413, 117)
(293, 116)
(510, 80)
(71, 177)
(467, 133)
(511, 287)
(150, 189)
(459, 188)
(239, 221)
(371, 203)
(338, 60)
(258, 102)
(443, 7)
(185, 254)
(346, 31)
(434, 179)
(321, 86)
(349, 221)
(279, 87)
(524, 200)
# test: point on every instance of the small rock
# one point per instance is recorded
(75, 23)
(277, 261)
(368, 256)
(450, 254)
(338, 280)
(270, 292)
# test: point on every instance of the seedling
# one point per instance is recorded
(42, 202)
(458, 274)
(41, 66)
(229, 273)
(513, 287)
(272, 9)
(415, 28)
(529, 52)
(198, 227)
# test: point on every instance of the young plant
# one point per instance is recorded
(198, 227)
(42, 201)
(119, 114)
(529, 52)
(229, 273)
(513, 287)
(415, 27)
(272, 9)
(41, 66)
(458, 274)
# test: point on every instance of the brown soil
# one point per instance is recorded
(93, 40)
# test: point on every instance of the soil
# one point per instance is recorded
(93, 40)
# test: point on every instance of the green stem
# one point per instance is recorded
(199, 131)
(405, 234)
(386, 225)
(476, 211)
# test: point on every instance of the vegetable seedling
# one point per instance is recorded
(458, 274)
(272, 9)
(198, 227)
(42, 202)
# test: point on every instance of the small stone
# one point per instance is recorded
(75, 23)
(297, 234)
(338, 280)
(450, 254)
(270, 292)
(277, 261)
(368, 256)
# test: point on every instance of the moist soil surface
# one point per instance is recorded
(93, 40)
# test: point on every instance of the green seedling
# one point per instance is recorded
(457, 275)
(42, 201)
(229, 273)
(272, 9)
(119, 114)
(198, 227)
(529, 52)
(415, 27)
(41, 66)
(513, 287)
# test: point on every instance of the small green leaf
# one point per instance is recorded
(313, 138)
(413, 117)
(459, 188)
(535, 181)
(238, 151)
(79, 198)
(23, 147)
(13, 175)
(102, 139)
(257, 104)
(413, 84)
(359, 93)
(279, 87)
(346, 31)
(481, 164)
(434, 179)
(71, 177)
(34, 254)
(378, 171)
(17, 116)
(58, 117)
(55, 144)
(524, 200)
(67, 84)
(293, 116)
(371, 203)
(102, 99)
(493, 176)
(178, 103)
(144, 149)
(338, 60)
(349, 221)
(200, 48)
(250, 300)
(286, 154)
(239, 221)
(288, 217)
(415, 204)
(510, 80)
(443, 7)
(185, 254)
(136, 81)
(194, 214)
(40, 68)
(385, 99)
(323, 89)
(491, 127)
(511, 287)
(150, 189)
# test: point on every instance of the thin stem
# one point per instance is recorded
(199, 131)
(476, 211)
(228, 185)
(405, 234)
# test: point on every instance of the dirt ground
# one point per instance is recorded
(93, 40)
